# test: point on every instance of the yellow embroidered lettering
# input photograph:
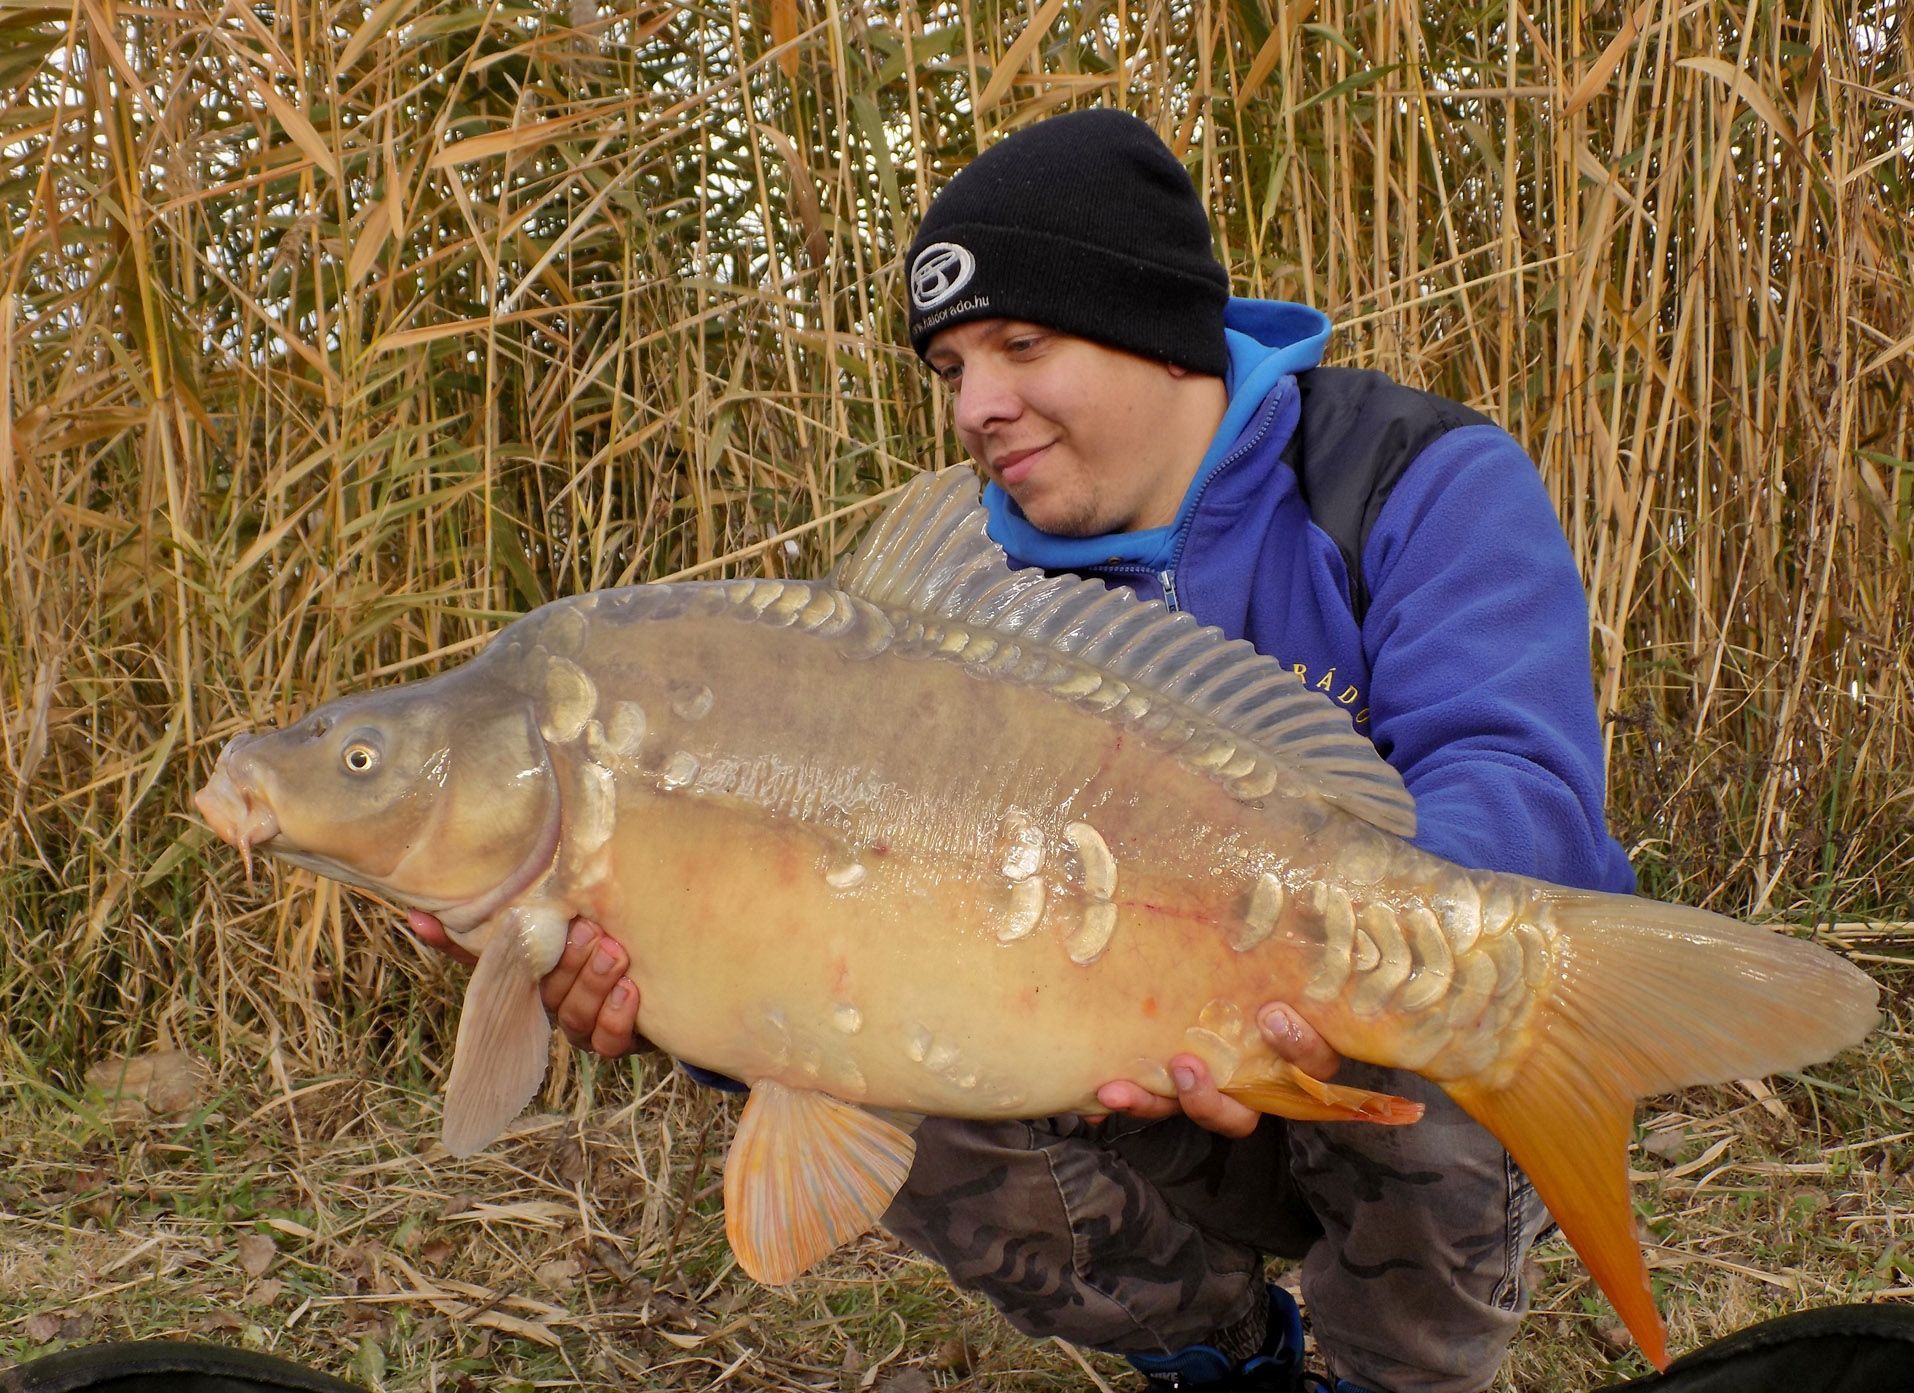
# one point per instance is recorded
(1362, 717)
(1328, 683)
(1301, 670)
(1347, 696)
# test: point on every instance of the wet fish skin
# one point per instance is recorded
(944, 839)
(395, 817)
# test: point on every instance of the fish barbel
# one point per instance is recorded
(942, 837)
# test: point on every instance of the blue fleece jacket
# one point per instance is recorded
(1470, 670)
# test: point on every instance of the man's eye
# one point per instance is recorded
(951, 375)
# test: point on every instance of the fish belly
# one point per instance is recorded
(902, 992)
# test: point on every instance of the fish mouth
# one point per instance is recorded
(236, 809)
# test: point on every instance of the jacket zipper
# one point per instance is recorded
(1234, 458)
(1167, 577)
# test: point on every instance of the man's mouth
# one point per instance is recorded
(1014, 466)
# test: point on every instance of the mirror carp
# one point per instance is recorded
(943, 837)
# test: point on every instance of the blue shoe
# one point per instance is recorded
(1276, 1368)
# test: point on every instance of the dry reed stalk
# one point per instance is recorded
(331, 337)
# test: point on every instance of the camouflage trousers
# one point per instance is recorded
(1141, 1238)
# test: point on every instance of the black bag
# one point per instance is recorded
(165, 1366)
(1837, 1349)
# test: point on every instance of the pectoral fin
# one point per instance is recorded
(806, 1173)
(504, 1039)
(1277, 1087)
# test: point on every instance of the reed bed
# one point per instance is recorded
(333, 335)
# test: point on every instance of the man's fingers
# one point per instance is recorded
(614, 1036)
(1137, 1101)
(586, 993)
(585, 1000)
(557, 984)
(1204, 1105)
(432, 934)
(1296, 1040)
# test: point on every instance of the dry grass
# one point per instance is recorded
(586, 1249)
(581, 1251)
(330, 335)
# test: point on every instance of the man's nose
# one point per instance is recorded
(986, 397)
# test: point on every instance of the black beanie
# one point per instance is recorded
(1084, 223)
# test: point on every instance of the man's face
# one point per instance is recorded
(1070, 429)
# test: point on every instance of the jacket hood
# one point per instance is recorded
(1269, 341)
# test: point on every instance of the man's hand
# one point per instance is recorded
(587, 993)
(1197, 1098)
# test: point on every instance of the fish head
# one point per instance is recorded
(442, 799)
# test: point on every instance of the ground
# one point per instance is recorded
(319, 1219)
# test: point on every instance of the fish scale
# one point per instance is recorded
(938, 836)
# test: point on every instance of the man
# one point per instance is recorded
(1400, 554)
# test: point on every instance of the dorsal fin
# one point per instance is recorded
(929, 556)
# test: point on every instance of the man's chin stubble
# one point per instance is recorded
(1081, 521)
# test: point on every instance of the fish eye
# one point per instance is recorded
(359, 758)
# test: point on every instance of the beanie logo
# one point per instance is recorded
(942, 269)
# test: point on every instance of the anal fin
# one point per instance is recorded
(1279, 1088)
(806, 1173)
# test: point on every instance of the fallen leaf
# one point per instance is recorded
(611, 1260)
(256, 1252)
(265, 1293)
(1665, 1145)
(558, 1275)
(435, 1253)
(79, 1329)
(1613, 1336)
(162, 1083)
(42, 1326)
(904, 1381)
(360, 1262)
(512, 1325)
(369, 1363)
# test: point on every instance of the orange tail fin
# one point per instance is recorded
(1571, 1135)
(1644, 998)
